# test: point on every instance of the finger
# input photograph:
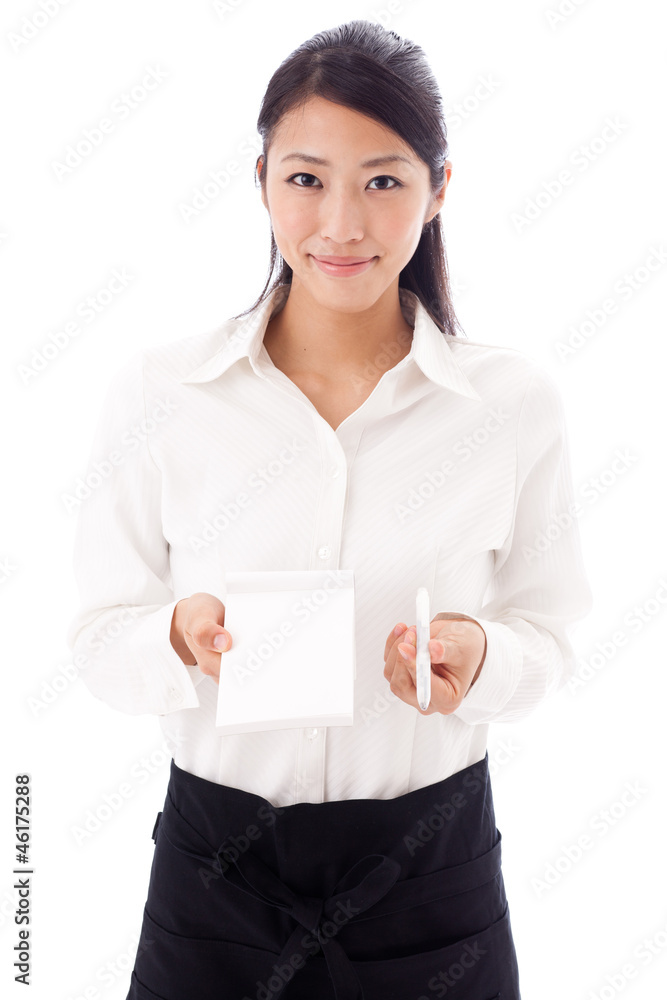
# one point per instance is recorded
(407, 648)
(222, 640)
(408, 652)
(446, 694)
(445, 688)
(207, 633)
(404, 680)
(439, 651)
(393, 659)
(452, 658)
(391, 639)
(448, 642)
(450, 669)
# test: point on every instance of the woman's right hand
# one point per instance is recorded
(197, 632)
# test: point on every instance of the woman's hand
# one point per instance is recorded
(197, 632)
(457, 647)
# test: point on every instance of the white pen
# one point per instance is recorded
(423, 658)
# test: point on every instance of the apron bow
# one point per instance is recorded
(322, 918)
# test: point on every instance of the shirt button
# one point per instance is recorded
(335, 471)
(324, 552)
(311, 734)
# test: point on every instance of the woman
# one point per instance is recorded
(340, 422)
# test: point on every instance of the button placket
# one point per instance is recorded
(310, 766)
(331, 501)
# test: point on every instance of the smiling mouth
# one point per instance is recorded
(349, 268)
(343, 261)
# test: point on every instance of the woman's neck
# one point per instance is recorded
(304, 336)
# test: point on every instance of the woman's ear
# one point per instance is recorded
(259, 166)
(438, 199)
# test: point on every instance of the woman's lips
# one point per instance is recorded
(346, 270)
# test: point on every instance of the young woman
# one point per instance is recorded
(342, 422)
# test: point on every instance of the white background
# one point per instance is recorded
(556, 83)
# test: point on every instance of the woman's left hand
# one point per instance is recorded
(457, 647)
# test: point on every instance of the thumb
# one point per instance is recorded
(439, 649)
(222, 640)
(209, 634)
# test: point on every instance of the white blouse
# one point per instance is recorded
(453, 474)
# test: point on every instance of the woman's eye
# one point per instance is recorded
(291, 179)
(383, 177)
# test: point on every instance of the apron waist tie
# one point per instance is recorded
(364, 884)
(321, 917)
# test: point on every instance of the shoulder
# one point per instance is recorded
(503, 373)
(177, 358)
(157, 366)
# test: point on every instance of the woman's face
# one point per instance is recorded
(342, 208)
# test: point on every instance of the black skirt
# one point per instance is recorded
(356, 899)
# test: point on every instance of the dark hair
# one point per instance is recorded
(370, 69)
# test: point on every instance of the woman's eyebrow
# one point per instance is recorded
(377, 161)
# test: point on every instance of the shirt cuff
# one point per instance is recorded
(498, 677)
(173, 682)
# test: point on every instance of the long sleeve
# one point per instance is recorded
(121, 565)
(244, 473)
(539, 588)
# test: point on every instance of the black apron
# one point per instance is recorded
(355, 899)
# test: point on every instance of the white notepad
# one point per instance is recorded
(292, 661)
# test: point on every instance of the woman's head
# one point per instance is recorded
(351, 93)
